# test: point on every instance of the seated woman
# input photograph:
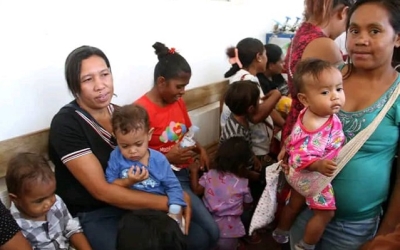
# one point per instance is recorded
(272, 78)
(11, 237)
(170, 120)
(80, 143)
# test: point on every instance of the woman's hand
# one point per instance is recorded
(204, 160)
(187, 212)
(178, 155)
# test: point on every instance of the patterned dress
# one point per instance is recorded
(306, 147)
(304, 35)
(224, 195)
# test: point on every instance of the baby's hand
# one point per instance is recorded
(326, 167)
(137, 174)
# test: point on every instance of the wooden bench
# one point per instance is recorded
(37, 142)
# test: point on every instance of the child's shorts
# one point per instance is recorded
(323, 201)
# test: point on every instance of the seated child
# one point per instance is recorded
(225, 190)
(133, 165)
(42, 216)
(242, 99)
(313, 145)
(149, 230)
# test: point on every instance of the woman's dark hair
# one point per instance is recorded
(248, 49)
(393, 8)
(274, 53)
(73, 65)
(241, 95)
(170, 63)
(149, 230)
(232, 155)
(321, 10)
(130, 118)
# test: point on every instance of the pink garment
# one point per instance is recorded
(224, 196)
(305, 147)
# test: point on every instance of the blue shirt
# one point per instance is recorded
(161, 178)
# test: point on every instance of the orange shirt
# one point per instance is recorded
(170, 123)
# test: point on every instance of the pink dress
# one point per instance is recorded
(224, 196)
(305, 147)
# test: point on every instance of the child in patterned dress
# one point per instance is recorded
(226, 191)
(313, 145)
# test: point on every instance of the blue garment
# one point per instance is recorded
(161, 178)
(338, 234)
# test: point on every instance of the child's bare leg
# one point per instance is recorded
(316, 226)
(288, 216)
(291, 210)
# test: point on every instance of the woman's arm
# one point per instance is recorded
(392, 216)
(323, 48)
(266, 107)
(88, 171)
(277, 118)
(17, 242)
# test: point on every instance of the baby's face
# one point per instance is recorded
(325, 95)
(37, 200)
(134, 145)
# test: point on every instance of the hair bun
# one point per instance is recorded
(161, 50)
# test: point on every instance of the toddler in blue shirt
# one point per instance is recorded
(133, 165)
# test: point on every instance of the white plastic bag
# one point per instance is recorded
(267, 205)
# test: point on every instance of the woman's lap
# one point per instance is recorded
(338, 235)
(100, 227)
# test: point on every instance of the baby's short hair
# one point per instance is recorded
(25, 168)
(241, 95)
(130, 118)
(149, 230)
(312, 67)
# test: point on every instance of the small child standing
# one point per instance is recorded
(133, 165)
(42, 216)
(226, 192)
(313, 145)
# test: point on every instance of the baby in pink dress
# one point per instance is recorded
(225, 190)
(313, 145)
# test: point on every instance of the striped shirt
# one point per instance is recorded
(52, 234)
(233, 128)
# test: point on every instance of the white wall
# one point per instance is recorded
(36, 37)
